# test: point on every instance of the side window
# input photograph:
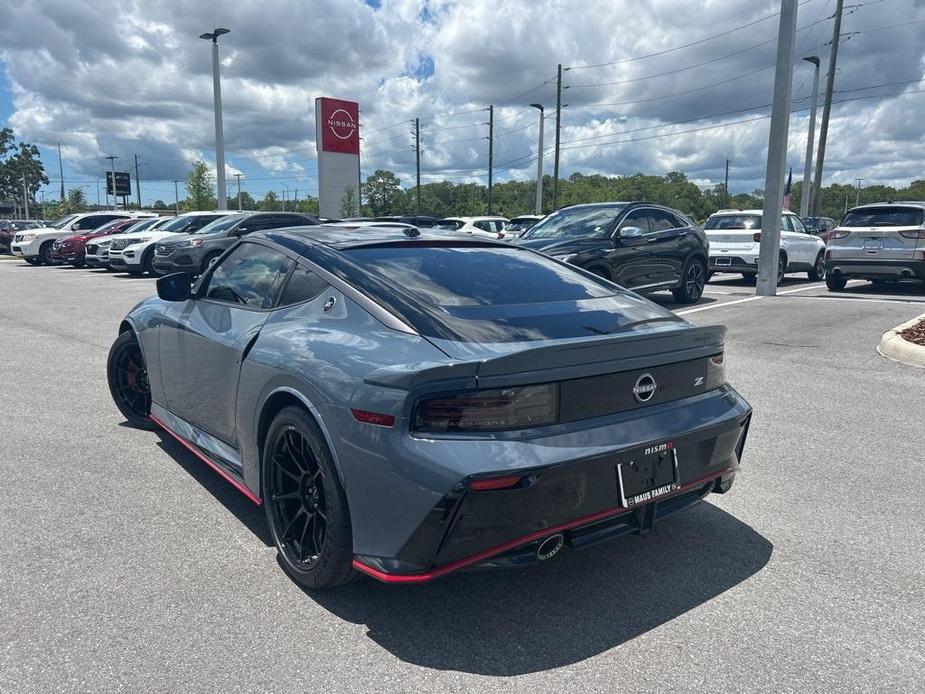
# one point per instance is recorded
(95, 221)
(797, 224)
(661, 221)
(284, 220)
(785, 224)
(199, 221)
(482, 224)
(255, 223)
(636, 218)
(251, 275)
(303, 285)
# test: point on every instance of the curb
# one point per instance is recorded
(892, 346)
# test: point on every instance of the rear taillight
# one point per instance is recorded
(716, 370)
(917, 234)
(489, 410)
(756, 237)
(492, 483)
(838, 234)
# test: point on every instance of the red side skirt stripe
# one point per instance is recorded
(237, 484)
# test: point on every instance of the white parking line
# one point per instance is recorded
(754, 298)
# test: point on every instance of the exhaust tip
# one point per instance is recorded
(906, 274)
(550, 547)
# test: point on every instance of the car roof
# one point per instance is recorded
(732, 212)
(300, 239)
(894, 203)
(473, 219)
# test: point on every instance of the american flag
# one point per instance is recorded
(787, 189)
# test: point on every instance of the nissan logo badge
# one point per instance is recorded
(645, 388)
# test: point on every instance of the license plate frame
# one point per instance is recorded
(722, 261)
(648, 476)
(873, 244)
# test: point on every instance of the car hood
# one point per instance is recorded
(559, 246)
(150, 235)
(174, 239)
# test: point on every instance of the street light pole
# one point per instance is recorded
(539, 162)
(25, 196)
(857, 198)
(61, 170)
(176, 196)
(238, 176)
(217, 105)
(491, 149)
(827, 104)
(555, 167)
(769, 248)
(807, 192)
(112, 160)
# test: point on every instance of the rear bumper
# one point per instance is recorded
(578, 499)
(876, 268)
(724, 262)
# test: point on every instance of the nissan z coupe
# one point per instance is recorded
(405, 405)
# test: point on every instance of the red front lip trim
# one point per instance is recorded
(488, 553)
(192, 449)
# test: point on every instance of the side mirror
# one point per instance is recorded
(631, 233)
(174, 287)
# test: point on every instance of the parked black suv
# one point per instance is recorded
(642, 246)
(193, 253)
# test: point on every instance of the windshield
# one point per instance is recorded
(576, 222)
(188, 223)
(62, 222)
(891, 216)
(223, 224)
(140, 226)
(449, 224)
(734, 221)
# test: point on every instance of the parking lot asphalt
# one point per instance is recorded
(125, 564)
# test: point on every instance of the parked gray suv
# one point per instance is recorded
(193, 253)
(883, 242)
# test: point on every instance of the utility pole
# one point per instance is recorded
(217, 104)
(417, 157)
(295, 200)
(238, 176)
(61, 170)
(25, 196)
(777, 152)
(539, 162)
(176, 196)
(137, 183)
(726, 186)
(112, 160)
(491, 145)
(807, 192)
(857, 198)
(97, 193)
(555, 166)
(827, 105)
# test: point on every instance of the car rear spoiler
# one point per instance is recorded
(564, 360)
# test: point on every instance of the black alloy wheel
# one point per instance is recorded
(128, 381)
(692, 282)
(305, 504)
(817, 274)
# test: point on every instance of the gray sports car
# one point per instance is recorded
(406, 405)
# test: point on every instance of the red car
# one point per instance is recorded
(70, 249)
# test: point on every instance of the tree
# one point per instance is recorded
(348, 202)
(247, 201)
(19, 163)
(382, 192)
(200, 187)
(159, 205)
(75, 202)
(270, 202)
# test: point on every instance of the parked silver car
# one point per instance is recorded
(880, 242)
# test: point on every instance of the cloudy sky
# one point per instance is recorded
(650, 85)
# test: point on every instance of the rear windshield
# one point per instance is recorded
(484, 294)
(884, 217)
(734, 221)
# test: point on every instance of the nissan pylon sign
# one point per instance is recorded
(337, 137)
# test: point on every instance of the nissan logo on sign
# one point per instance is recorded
(339, 126)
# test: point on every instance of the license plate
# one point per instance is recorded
(724, 260)
(872, 244)
(647, 476)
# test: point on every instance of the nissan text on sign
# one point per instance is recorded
(337, 136)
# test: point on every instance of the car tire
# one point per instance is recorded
(208, 260)
(781, 268)
(817, 274)
(835, 283)
(78, 264)
(693, 280)
(750, 276)
(147, 263)
(33, 261)
(128, 381)
(45, 253)
(305, 504)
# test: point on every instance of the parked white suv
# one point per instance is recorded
(488, 227)
(35, 245)
(884, 242)
(735, 239)
(134, 253)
